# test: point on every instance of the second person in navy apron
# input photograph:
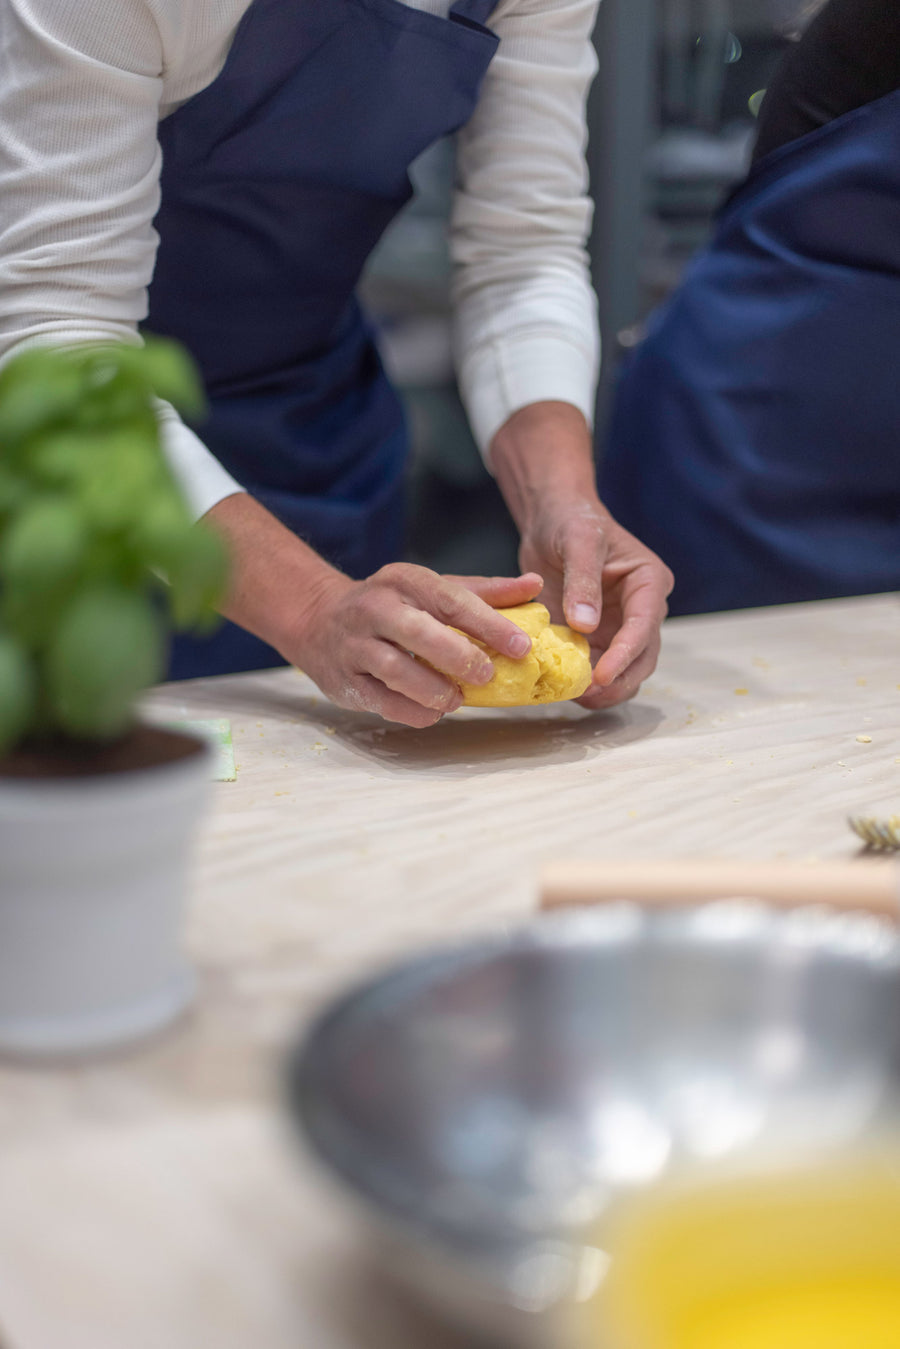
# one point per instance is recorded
(755, 437)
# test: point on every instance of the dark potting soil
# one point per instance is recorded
(143, 747)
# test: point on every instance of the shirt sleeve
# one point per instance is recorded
(79, 188)
(525, 321)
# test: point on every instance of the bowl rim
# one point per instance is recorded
(818, 931)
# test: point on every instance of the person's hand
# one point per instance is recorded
(366, 643)
(381, 644)
(598, 578)
(604, 583)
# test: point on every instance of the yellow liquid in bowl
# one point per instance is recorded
(807, 1260)
(828, 1314)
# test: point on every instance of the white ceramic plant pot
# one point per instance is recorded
(92, 887)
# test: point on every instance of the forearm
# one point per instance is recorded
(525, 326)
(543, 450)
(277, 580)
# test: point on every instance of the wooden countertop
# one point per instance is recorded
(157, 1201)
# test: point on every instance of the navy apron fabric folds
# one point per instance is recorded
(755, 436)
(277, 182)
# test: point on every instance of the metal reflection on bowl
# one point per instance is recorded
(486, 1104)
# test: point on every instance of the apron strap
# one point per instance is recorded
(473, 11)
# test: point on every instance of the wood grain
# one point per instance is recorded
(156, 1200)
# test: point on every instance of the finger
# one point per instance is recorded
(627, 684)
(453, 604)
(643, 608)
(400, 672)
(630, 642)
(395, 610)
(502, 592)
(370, 695)
(425, 636)
(583, 550)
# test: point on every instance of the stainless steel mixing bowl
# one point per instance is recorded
(486, 1104)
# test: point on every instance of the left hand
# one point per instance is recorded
(599, 578)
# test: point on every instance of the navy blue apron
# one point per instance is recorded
(277, 182)
(755, 435)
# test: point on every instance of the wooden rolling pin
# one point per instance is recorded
(866, 886)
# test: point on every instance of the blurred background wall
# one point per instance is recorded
(671, 123)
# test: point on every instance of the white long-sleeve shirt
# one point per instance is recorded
(83, 85)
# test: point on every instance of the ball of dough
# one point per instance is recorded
(557, 667)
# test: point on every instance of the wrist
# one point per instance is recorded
(302, 619)
(544, 452)
(278, 583)
(288, 609)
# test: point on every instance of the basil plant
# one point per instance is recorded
(99, 557)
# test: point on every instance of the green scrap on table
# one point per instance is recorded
(217, 730)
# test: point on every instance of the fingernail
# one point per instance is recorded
(482, 673)
(586, 614)
(519, 645)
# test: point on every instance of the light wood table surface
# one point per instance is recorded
(158, 1201)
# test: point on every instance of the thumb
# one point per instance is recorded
(583, 549)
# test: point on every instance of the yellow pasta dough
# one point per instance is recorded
(558, 666)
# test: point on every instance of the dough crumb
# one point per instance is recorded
(741, 692)
(864, 739)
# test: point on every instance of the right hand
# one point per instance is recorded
(360, 639)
